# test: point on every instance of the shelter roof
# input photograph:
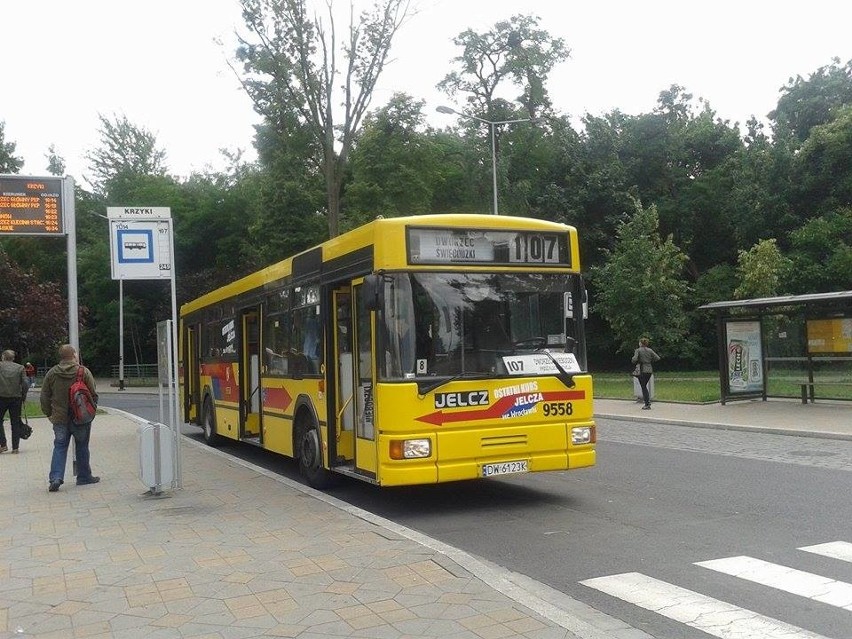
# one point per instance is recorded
(810, 299)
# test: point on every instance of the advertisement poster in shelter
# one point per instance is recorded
(745, 367)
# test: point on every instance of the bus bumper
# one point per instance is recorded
(463, 454)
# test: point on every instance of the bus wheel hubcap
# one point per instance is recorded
(310, 449)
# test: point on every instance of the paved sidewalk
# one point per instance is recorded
(825, 419)
(238, 552)
(242, 552)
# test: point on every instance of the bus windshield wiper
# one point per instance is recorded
(563, 376)
(427, 386)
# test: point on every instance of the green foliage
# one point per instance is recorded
(805, 104)
(290, 72)
(33, 313)
(55, 162)
(821, 254)
(396, 165)
(760, 270)
(727, 214)
(820, 171)
(125, 149)
(514, 51)
(640, 289)
(8, 162)
(286, 196)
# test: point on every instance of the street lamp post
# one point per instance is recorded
(492, 125)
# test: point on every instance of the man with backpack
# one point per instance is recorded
(69, 398)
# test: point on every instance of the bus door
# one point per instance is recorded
(344, 375)
(365, 384)
(191, 363)
(250, 375)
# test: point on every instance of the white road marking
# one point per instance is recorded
(715, 617)
(797, 582)
(841, 550)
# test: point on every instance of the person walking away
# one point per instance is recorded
(645, 357)
(30, 370)
(13, 389)
(55, 404)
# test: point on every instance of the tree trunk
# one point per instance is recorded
(333, 185)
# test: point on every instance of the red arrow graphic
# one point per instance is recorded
(277, 398)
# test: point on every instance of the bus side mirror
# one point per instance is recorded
(370, 290)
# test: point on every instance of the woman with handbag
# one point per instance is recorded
(644, 357)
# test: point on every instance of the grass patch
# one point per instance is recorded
(695, 387)
(703, 386)
(32, 409)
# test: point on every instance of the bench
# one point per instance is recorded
(808, 389)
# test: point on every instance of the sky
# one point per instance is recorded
(164, 64)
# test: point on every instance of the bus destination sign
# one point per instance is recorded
(462, 246)
(30, 205)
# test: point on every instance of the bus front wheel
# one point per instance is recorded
(310, 457)
(208, 424)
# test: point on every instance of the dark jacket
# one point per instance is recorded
(645, 356)
(13, 381)
(54, 390)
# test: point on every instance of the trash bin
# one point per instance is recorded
(156, 456)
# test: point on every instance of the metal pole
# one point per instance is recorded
(173, 373)
(494, 166)
(492, 124)
(71, 243)
(120, 334)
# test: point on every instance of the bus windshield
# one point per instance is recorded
(455, 324)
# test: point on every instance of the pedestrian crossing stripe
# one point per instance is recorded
(712, 616)
(797, 582)
(841, 550)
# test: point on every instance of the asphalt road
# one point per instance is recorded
(661, 499)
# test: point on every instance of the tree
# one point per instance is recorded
(396, 164)
(760, 270)
(805, 104)
(288, 193)
(55, 162)
(756, 201)
(641, 289)
(290, 67)
(8, 162)
(33, 316)
(514, 51)
(125, 149)
(822, 170)
(821, 254)
(677, 158)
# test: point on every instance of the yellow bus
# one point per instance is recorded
(411, 350)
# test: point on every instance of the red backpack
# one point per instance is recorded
(81, 405)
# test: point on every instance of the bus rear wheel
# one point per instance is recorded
(208, 424)
(310, 457)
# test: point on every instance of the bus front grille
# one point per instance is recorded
(504, 440)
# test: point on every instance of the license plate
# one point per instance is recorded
(505, 468)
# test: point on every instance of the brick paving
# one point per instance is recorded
(235, 553)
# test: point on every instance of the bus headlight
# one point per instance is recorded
(583, 435)
(410, 448)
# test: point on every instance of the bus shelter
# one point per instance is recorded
(789, 346)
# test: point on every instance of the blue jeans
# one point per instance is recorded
(62, 434)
